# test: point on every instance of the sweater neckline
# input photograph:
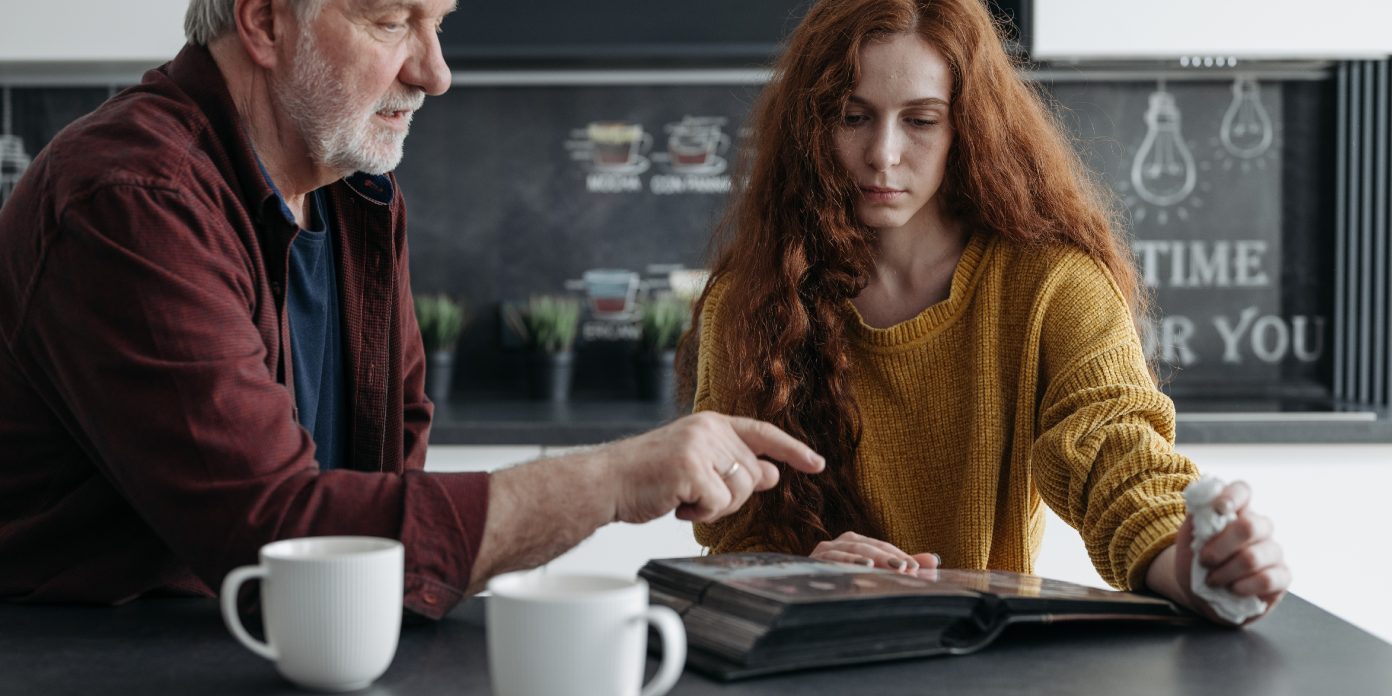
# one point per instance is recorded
(935, 317)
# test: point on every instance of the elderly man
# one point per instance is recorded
(208, 340)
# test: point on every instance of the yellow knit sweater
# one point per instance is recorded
(1028, 383)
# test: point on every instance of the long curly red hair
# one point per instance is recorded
(791, 252)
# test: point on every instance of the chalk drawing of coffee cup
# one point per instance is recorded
(619, 146)
(696, 143)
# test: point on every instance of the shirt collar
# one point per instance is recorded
(275, 190)
(376, 188)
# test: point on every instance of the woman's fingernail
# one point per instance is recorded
(1225, 506)
(867, 562)
(937, 558)
(898, 564)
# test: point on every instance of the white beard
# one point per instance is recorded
(340, 134)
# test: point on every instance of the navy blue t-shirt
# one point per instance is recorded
(316, 343)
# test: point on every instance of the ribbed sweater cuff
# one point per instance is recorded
(1150, 531)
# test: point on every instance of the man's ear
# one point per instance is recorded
(261, 26)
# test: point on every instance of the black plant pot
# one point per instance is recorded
(657, 378)
(551, 375)
(439, 371)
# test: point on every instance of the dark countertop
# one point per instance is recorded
(154, 647)
(585, 422)
(520, 422)
(1370, 427)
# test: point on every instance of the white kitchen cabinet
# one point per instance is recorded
(63, 31)
(622, 549)
(478, 457)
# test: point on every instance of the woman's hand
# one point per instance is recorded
(858, 549)
(1243, 558)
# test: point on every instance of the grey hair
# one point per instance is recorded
(206, 20)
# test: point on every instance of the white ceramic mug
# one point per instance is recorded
(578, 635)
(331, 607)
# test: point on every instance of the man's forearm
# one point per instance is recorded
(539, 510)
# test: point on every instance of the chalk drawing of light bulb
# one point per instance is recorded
(1246, 130)
(1163, 171)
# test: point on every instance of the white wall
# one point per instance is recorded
(1132, 29)
(148, 31)
(1327, 502)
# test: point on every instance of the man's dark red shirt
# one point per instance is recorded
(148, 435)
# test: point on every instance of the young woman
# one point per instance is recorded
(921, 281)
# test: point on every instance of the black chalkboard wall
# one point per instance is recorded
(1231, 214)
(642, 33)
(1227, 186)
(510, 196)
(616, 31)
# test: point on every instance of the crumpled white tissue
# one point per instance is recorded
(1198, 496)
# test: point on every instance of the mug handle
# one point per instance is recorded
(230, 584)
(669, 626)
